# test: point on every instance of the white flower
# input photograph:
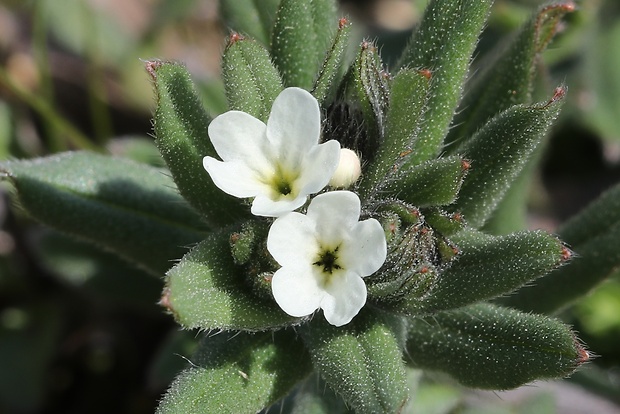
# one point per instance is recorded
(324, 256)
(280, 163)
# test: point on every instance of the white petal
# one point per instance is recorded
(344, 298)
(238, 136)
(292, 240)
(234, 178)
(294, 124)
(296, 290)
(334, 212)
(365, 251)
(319, 166)
(264, 206)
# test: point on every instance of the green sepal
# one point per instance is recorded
(301, 37)
(443, 44)
(238, 373)
(251, 81)
(207, 290)
(490, 347)
(506, 79)
(445, 223)
(180, 125)
(365, 89)
(361, 361)
(594, 236)
(250, 17)
(130, 209)
(433, 183)
(409, 93)
(489, 266)
(499, 152)
(326, 82)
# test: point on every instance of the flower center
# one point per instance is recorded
(327, 262)
(282, 183)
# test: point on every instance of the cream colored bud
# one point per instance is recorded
(348, 171)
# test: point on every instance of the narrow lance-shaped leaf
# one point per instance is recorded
(238, 373)
(128, 208)
(506, 80)
(491, 266)
(180, 125)
(432, 183)
(324, 87)
(443, 44)
(301, 37)
(594, 235)
(251, 81)
(362, 360)
(499, 152)
(490, 347)
(407, 103)
(252, 17)
(365, 90)
(207, 290)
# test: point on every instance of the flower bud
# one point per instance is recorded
(348, 171)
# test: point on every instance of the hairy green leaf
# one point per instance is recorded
(407, 103)
(594, 235)
(128, 208)
(499, 152)
(489, 266)
(180, 125)
(362, 360)
(443, 44)
(251, 81)
(301, 37)
(238, 373)
(506, 80)
(433, 183)
(325, 85)
(485, 346)
(207, 290)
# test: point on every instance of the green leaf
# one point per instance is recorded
(324, 87)
(499, 152)
(489, 266)
(506, 79)
(361, 361)
(443, 44)
(490, 347)
(433, 183)
(409, 94)
(594, 235)
(251, 81)
(180, 125)
(365, 90)
(238, 373)
(252, 17)
(128, 208)
(207, 290)
(301, 37)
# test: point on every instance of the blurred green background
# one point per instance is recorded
(81, 331)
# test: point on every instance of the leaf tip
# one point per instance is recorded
(426, 73)
(342, 23)
(234, 38)
(165, 300)
(151, 67)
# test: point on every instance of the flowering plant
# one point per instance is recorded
(386, 226)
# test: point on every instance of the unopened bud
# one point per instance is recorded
(348, 171)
